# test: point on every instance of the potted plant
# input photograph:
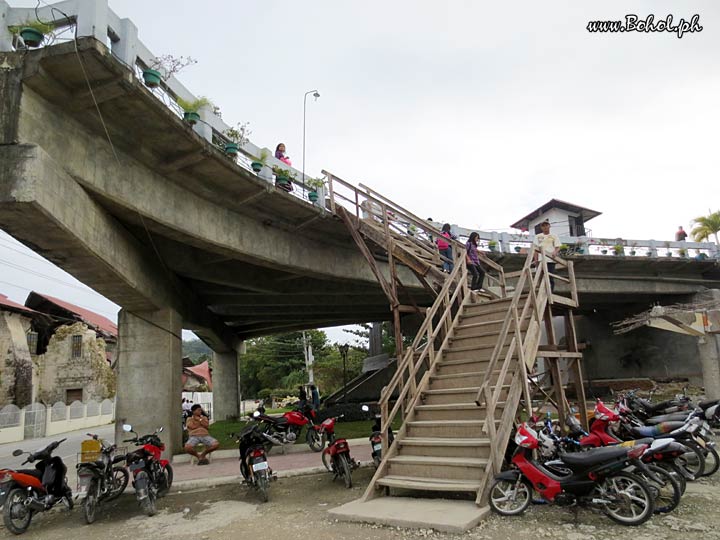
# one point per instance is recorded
(259, 162)
(163, 67)
(619, 249)
(191, 108)
(518, 249)
(492, 244)
(313, 185)
(283, 177)
(238, 136)
(669, 252)
(682, 252)
(32, 32)
(632, 249)
(564, 249)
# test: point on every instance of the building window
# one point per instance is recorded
(32, 341)
(77, 346)
(76, 394)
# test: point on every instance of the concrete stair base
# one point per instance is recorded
(439, 514)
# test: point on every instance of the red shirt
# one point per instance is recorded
(442, 244)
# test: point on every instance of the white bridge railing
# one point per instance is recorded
(94, 18)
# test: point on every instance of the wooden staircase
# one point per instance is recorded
(458, 388)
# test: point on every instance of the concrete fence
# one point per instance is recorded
(38, 420)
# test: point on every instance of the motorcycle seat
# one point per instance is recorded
(672, 417)
(591, 457)
(272, 419)
(659, 406)
(708, 403)
(31, 472)
(657, 430)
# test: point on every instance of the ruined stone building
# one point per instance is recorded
(51, 350)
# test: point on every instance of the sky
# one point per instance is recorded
(465, 111)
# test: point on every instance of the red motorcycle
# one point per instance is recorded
(288, 428)
(594, 478)
(25, 492)
(336, 457)
(152, 476)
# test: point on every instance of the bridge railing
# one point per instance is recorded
(94, 18)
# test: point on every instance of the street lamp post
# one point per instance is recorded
(344, 353)
(315, 95)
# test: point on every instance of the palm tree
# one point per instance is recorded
(707, 226)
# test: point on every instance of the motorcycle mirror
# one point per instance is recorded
(160, 429)
(365, 408)
(127, 428)
(256, 414)
(17, 452)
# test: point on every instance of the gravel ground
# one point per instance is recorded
(297, 508)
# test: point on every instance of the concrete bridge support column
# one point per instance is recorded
(226, 402)
(150, 369)
(709, 349)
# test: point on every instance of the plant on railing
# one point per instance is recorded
(632, 249)
(669, 252)
(682, 252)
(260, 161)
(163, 67)
(619, 249)
(603, 249)
(313, 185)
(492, 245)
(283, 177)
(191, 108)
(239, 136)
(564, 249)
(32, 32)
(517, 249)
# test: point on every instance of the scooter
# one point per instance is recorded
(152, 476)
(25, 492)
(376, 438)
(254, 465)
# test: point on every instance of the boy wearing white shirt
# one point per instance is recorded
(549, 244)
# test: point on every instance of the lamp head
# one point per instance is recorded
(316, 95)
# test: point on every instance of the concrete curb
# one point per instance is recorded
(274, 451)
(206, 483)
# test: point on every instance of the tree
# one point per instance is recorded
(388, 337)
(707, 226)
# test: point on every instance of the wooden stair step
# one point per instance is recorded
(453, 423)
(440, 461)
(466, 374)
(428, 484)
(476, 347)
(454, 406)
(443, 441)
(454, 390)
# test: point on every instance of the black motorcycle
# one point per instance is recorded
(254, 467)
(101, 480)
(376, 438)
(25, 492)
(152, 475)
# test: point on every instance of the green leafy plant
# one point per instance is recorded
(492, 245)
(43, 28)
(240, 134)
(193, 106)
(282, 173)
(619, 249)
(682, 252)
(315, 183)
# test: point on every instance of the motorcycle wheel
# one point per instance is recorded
(120, 479)
(16, 515)
(674, 471)
(90, 502)
(692, 461)
(315, 440)
(263, 485)
(167, 481)
(712, 460)
(510, 497)
(376, 461)
(666, 492)
(346, 470)
(633, 501)
(148, 503)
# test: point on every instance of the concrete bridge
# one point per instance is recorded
(100, 175)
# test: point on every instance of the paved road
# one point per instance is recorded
(68, 450)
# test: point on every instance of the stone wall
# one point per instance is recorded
(16, 385)
(57, 371)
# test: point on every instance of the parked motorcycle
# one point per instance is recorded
(594, 478)
(100, 480)
(288, 428)
(376, 438)
(25, 492)
(254, 465)
(336, 457)
(152, 476)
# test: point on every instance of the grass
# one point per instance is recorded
(349, 430)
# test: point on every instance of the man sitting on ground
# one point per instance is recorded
(197, 426)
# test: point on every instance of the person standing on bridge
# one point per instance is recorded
(445, 248)
(472, 260)
(280, 154)
(549, 246)
(680, 235)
